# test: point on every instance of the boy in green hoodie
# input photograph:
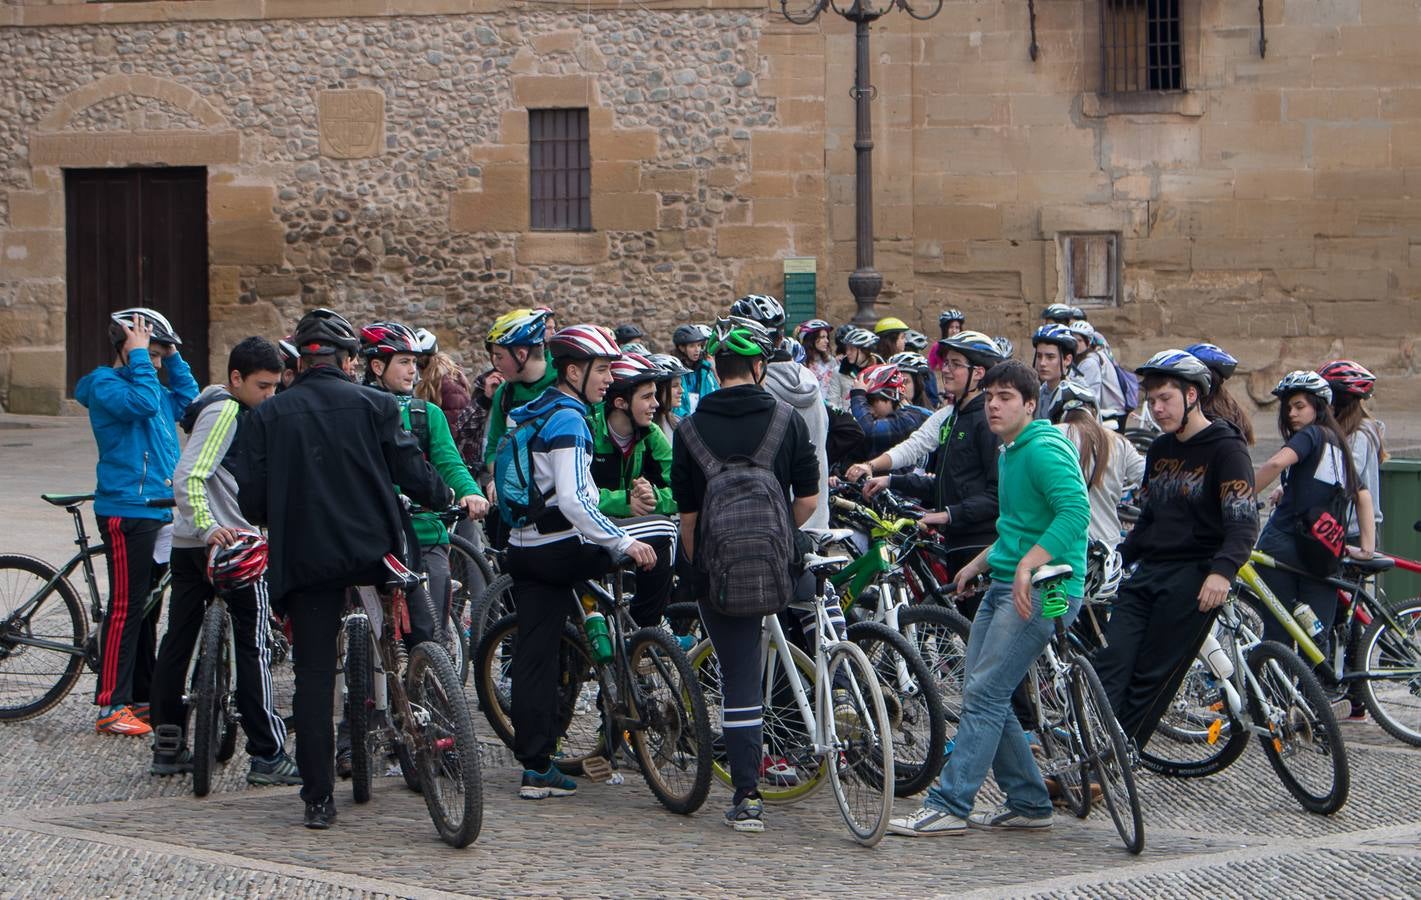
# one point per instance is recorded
(1043, 519)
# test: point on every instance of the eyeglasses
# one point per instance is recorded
(957, 366)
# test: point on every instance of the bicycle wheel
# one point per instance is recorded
(35, 678)
(493, 604)
(580, 715)
(1108, 755)
(940, 637)
(447, 750)
(207, 699)
(915, 711)
(1303, 745)
(685, 619)
(1393, 693)
(790, 770)
(1059, 756)
(673, 745)
(469, 576)
(360, 703)
(1198, 734)
(861, 769)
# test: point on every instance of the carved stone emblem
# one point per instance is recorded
(352, 123)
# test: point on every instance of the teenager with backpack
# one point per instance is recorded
(744, 476)
(515, 345)
(558, 537)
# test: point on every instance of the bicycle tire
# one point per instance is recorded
(919, 721)
(207, 701)
(360, 704)
(685, 619)
(1061, 755)
(1181, 746)
(227, 746)
(1108, 754)
(471, 572)
(1309, 727)
(65, 618)
(447, 750)
(790, 771)
(580, 716)
(673, 747)
(861, 770)
(492, 605)
(1381, 645)
(940, 636)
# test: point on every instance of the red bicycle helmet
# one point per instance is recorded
(1347, 376)
(632, 369)
(386, 338)
(238, 565)
(883, 381)
(584, 342)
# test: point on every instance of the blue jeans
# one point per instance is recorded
(999, 652)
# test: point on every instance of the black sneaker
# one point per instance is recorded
(321, 814)
(170, 757)
(280, 769)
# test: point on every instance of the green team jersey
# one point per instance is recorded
(445, 458)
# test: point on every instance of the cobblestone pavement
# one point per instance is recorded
(79, 816)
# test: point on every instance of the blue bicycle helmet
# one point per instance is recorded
(1219, 361)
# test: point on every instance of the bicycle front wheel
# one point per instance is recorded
(35, 674)
(360, 703)
(915, 711)
(446, 750)
(207, 699)
(1198, 734)
(940, 636)
(861, 764)
(1108, 755)
(673, 744)
(1393, 657)
(1303, 743)
(469, 577)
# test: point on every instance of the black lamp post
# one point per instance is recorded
(865, 282)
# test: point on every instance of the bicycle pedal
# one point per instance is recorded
(598, 768)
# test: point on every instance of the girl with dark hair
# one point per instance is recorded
(1110, 464)
(1218, 403)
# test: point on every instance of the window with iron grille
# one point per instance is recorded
(560, 170)
(1091, 267)
(1141, 46)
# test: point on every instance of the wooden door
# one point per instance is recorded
(135, 237)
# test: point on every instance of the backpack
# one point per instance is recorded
(419, 423)
(520, 503)
(744, 540)
(1129, 385)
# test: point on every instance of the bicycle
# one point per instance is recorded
(471, 571)
(805, 732)
(45, 636)
(1242, 686)
(641, 692)
(411, 703)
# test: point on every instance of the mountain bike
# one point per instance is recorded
(638, 700)
(1245, 686)
(802, 727)
(411, 703)
(45, 637)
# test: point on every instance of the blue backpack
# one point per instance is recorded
(520, 503)
(1129, 385)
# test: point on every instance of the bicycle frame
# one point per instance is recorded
(1249, 577)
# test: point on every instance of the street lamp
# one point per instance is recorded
(865, 282)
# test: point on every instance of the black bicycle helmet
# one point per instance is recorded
(322, 332)
(627, 332)
(690, 334)
(760, 308)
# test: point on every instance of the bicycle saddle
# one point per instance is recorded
(1047, 574)
(823, 537)
(66, 499)
(813, 562)
(399, 575)
(1369, 566)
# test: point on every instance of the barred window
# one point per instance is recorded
(1092, 265)
(1141, 46)
(560, 170)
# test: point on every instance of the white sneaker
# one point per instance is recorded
(1004, 817)
(925, 822)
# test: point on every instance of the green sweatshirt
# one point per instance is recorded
(1043, 500)
(507, 397)
(613, 472)
(445, 458)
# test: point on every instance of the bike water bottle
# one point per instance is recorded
(596, 627)
(1307, 619)
(1216, 658)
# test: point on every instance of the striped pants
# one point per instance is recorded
(129, 638)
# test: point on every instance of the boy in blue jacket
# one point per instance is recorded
(134, 418)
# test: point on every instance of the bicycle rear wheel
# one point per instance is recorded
(1109, 755)
(446, 750)
(1060, 756)
(1198, 734)
(1303, 745)
(914, 709)
(861, 768)
(33, 679)
(360, 703)
(1393, 655)
(492, 605)
(207, 694)
(940, 636)
(674, 744)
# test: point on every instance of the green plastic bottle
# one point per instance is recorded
(597, 637)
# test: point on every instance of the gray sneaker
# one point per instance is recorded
(1004, 817)
(747, 816)
(280, 769)
(925, 822)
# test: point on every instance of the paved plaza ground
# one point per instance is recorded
(79, 816)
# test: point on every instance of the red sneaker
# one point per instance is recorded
(122, 721)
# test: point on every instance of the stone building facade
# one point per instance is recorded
(373, 156)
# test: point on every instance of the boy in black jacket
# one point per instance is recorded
(317, 467)
(1197, 525)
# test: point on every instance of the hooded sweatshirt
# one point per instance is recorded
(1196, 502)
(796, 385)
(203, 485)
(1124, 471)
(562, 461)
(134, 418)
(1042, 499)
(614, 470)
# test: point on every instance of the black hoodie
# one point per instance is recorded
(965, 480)
(1196, 502)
